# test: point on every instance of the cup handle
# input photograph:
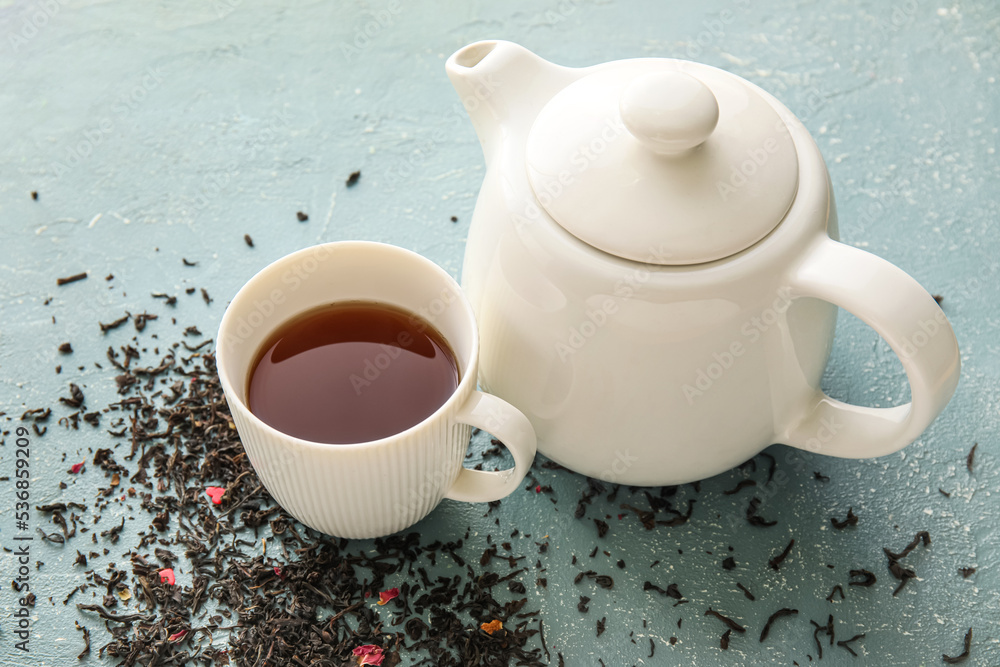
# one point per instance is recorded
(908, 319)
(513, 429)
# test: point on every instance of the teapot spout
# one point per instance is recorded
(503, 86)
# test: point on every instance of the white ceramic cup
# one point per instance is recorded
(375, 488)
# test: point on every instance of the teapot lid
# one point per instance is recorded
(663, 161)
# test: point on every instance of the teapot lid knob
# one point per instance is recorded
(669, 112)
(683, 158)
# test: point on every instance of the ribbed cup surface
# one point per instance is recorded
(365, 490)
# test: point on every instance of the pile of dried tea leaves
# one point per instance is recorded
(240, 581)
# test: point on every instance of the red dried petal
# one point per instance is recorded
(77, 467)
(385, 596)
(167, 575)
(215, 493)
(177, 635)
(538, 488)
(277, 571)
(369, 654)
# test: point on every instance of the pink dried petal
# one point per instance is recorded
(385, 596)
(215, 493)
(177, 635)
(77, 467)
(277, 571)
(369, 654)
(167, 575)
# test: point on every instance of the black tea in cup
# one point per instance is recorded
(351, 371)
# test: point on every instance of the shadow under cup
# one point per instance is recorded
(364, 489)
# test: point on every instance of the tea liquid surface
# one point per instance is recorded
(351, 372)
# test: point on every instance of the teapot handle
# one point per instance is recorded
(908, 319)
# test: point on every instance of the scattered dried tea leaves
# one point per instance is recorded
(850, 520)
(866, 578)
(739, 487)
(113, 325)
(961, 657)
(772, 618)
(353, 178)
(752, 516)
(971, 458)
(602, 580)
(646, 517)
(86, 641)
(818, 629)
(672, 591)
(896, 568)
(301, 217)
(846, 643)
(776, 561)
(71, 279)
(141, 319)
(75, 399)
(837, 589)
(771, 467)
(730, 623)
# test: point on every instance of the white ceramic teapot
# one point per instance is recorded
(654, 267)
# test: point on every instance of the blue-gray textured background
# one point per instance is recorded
(156, 131)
